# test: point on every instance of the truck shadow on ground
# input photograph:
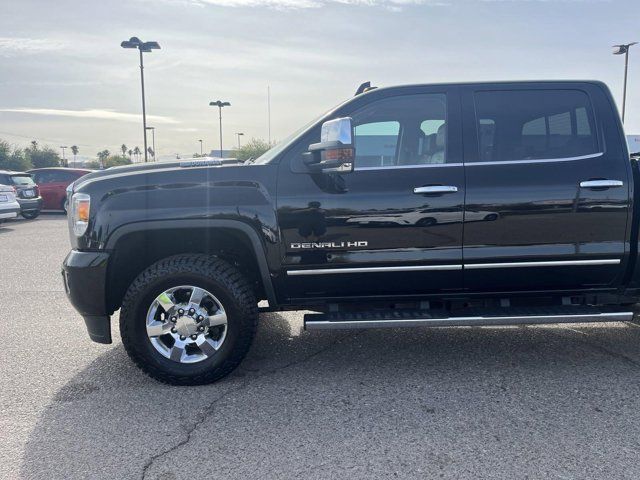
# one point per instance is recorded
(392, 400)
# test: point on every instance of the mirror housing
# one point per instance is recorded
(335, 152)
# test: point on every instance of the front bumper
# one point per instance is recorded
(85, 279)
(30, 204)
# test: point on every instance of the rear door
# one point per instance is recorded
(547, 188)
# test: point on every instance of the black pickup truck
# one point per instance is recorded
(423, 205)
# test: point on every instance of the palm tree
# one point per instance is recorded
(123, 147)
(74, 150)
(103, 155)
(130, 152)
(137, 152)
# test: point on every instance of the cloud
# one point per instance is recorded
(13, 46)
(93, 113)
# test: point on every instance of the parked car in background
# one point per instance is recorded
(53, 183)
(27, 192)
(9, 207)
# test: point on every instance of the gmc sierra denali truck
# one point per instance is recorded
(423, 205)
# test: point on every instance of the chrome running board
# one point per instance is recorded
(376, 320)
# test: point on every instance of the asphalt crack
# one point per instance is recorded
(210, 408)
(602, 349)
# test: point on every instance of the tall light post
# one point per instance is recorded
(624, 50)
(200, 147)
(153, 141)
(239, 134)
(135, 42)
(64, 159)
(220, 104)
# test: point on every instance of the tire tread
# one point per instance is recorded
(211, 267)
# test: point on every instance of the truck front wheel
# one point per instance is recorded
(188, 319)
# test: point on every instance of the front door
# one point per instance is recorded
(394, 225)
(547, 189)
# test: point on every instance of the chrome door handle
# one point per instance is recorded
(435, 189)
(601, 184)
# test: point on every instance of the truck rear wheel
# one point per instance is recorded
(188, 319)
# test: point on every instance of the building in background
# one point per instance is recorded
(634, 143)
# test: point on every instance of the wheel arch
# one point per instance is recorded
(137, 246)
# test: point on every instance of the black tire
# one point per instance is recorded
(30, 215)
(213, 274)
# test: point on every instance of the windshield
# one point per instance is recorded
(22, 180)
(273, 152)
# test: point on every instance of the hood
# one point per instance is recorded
(150, 167)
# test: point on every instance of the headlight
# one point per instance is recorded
(80, 206)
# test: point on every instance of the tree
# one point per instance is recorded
(102, 156)
(13, 158)
(137, 152)
(42, 157)
(93, 164)
(130, 152)
(115, 161)
(74, 150)
(123, 147)
(252, 149)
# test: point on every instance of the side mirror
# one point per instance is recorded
(335, 152)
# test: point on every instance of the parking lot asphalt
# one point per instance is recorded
(553, 402)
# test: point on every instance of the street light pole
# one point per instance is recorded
(239, 134)
(620, 50)
(135, 42)
(220, 104)
(144, 110)
(200, 147)
(64, 159)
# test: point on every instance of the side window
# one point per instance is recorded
(377, 143)
(401, 131)
(42, 178)
(534, 124)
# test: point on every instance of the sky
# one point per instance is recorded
(64, 80)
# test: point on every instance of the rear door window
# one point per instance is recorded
(517, 125)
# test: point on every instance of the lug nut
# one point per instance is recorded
(201, 328)
(200, 318)
(194, 336)
(183, 337)
(192, 311)
(181, 311)
(174, 319)
(174, 330)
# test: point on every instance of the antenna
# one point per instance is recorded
(363, 88)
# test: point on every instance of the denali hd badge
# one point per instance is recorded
(311, 245)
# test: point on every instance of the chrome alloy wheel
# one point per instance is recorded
(186, 324)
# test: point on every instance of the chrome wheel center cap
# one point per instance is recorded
(186, 326)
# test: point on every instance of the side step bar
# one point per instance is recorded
(397, 319)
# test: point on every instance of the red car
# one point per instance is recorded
(53, 183)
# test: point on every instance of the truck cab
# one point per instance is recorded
(448, 204)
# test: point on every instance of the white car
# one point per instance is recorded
(9, 207)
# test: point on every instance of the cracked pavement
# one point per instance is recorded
(560, 402)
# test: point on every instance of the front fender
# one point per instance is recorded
(257, 242)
